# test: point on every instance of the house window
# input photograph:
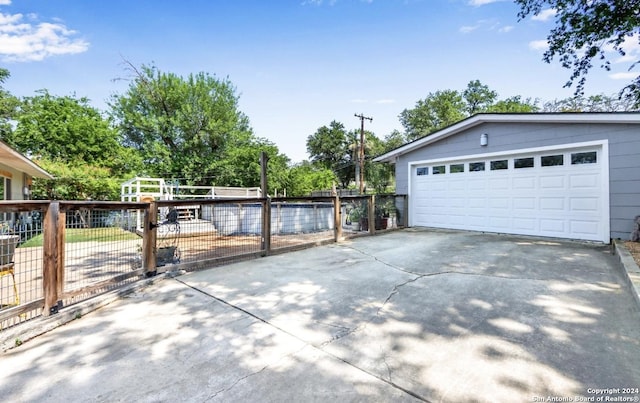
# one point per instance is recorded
(500, 164)
(523, 162)
(422, 171)
(552, 160)
(476, 166)
(5, 188)
(440, 169)
(455, 168)
(584, 158)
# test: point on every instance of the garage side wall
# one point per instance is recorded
(624, 157)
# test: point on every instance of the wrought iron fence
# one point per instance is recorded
(55, 254)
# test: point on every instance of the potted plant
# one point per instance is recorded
(355, 215)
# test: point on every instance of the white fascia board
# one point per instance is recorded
(564, 117)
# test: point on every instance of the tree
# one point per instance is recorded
(8, 105)
(478, 97)
(514, 104)
(585, 31)
(332, 148)
(182, 127)
(306, 177)
(437, 110)
(593, 103)
(65, 129)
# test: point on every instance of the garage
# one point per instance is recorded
(557, 192)
(560, 175)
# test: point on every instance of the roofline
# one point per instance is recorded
(556, 117)
(32, 168)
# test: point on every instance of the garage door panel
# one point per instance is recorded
(561, 200)
(525, 224)
(499, 203)
(552, 203)
(590, 204)
(586, 181)
(527, 183)
(499, 184)
(551, 226)
(524, 203)
(584, 227)
(555, 182)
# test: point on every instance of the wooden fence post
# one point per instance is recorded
(337, 219)
(149, 236)
(266, 226)
(372, 214)
(52, 259)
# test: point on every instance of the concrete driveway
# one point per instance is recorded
(412, 315)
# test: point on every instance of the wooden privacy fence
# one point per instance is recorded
(64, 252)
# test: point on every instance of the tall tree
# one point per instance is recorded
(437, 110)
(584, 32)
(478, 97)
(183, 127)
(65, 129)
(8, 105)
(332, 148)
(514, 104)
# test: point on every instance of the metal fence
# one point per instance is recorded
(55, 254)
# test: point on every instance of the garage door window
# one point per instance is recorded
(440, 169)
(523, 163)
(552, 160)
(422, 171)
(584, 158)
(500, 164)
(456, 168)
(476, 166)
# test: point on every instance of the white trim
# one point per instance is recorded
(581, 117)
(586, 144)
(603, 145)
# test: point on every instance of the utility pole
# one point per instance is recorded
(361, 156)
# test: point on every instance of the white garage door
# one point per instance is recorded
(557, 193)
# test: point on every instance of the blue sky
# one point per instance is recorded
(297, 65)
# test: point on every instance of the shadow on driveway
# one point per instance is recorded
(405, 316)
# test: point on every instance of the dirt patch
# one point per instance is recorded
(634, 248)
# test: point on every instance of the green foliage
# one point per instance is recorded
(513, 105)
(478, 97)
(306, 177)
(444, 108)
(65, 129)
(185, 127)
(79, 181)
(8, 105)
(593, 103)
(332, 148)
(437, 110)
(585, 31)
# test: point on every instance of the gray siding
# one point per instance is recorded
(624, 157)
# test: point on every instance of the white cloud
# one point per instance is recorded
(5, 2)
(478, 3)
(623, 76)
(468, 28)
(545, 15)
(25, 41)
(506, 29)
(541, 44)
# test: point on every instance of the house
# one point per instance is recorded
(563, 175)
(16, 172)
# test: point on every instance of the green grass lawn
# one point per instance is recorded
(74, 235)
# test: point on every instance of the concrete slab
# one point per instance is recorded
(411, 315)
